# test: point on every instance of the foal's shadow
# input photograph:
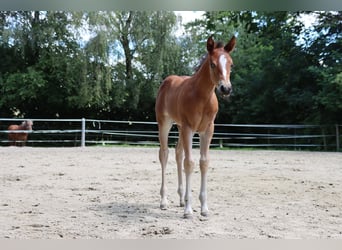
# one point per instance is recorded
(137, 211)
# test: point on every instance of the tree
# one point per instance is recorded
(138, 43)
(110, 64)
(108, 75)
(39, 77)
(272, 76)
(327, 49)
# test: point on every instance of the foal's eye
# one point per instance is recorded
(212, 65)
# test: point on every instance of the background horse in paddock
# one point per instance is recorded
(19, 138)
(191, 103)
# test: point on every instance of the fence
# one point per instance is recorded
(86, 132)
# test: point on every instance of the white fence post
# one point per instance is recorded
(83, 133)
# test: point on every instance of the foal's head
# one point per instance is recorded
(220, 64)
(27, 125)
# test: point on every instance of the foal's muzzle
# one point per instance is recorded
(224, 90)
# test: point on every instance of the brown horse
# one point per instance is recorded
(191, 103)
(19, 138)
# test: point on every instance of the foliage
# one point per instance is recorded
(276, 79)
(109, 64)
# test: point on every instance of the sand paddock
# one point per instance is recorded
(113, 192)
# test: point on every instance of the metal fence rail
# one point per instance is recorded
(85, 132)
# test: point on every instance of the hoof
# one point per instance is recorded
(187, 216)
(205, 214)
(182, 204)
(163, 207)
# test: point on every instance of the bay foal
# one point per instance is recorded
(191, 102)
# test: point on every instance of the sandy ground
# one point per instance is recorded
(113, 192)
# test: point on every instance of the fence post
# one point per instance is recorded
(337, 138)
(83, 133)
(324, 139)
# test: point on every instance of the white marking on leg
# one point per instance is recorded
(163, 157)
(205, 139)
(203, 191)
(179, 160)
(189, 165)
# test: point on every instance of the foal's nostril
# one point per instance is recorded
(222, 88)
(225, 90)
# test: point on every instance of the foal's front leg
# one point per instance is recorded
(189, 165)
(205, 139)
(179, 160)
(163, 157)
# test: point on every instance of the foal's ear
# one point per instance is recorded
(210, 44)
(230, 45)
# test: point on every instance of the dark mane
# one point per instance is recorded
(204, 57)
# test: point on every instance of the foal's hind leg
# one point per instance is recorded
(179, 160)
(164, 129)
